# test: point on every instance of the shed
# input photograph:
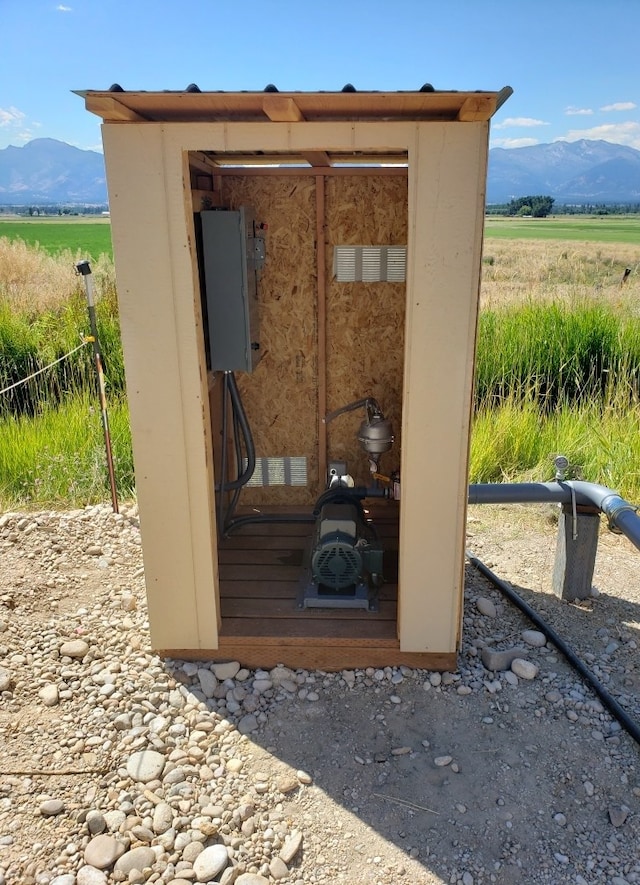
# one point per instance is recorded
(360, 215)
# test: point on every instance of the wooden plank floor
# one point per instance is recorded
(262, 570)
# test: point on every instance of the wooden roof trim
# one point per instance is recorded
(476, 108)
(192, 107)
(109, 108)
(280, 109)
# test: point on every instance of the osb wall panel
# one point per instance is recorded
(280, 396)
(365, 321)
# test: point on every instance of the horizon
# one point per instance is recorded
(572, 81)
(98, 150)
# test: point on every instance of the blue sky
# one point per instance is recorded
(574, 65)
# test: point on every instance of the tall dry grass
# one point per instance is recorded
(43, 316)
(515, 272)
(33, 282)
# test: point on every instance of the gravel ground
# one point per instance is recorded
(119, 766)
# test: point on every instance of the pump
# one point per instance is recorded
(345, 562)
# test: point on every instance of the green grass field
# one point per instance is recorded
(89, 236)
(596, 229)
(92, 235)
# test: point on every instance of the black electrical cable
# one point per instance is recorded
(223, 453)
(629, 724)
(226, 522)
(236, 404)
(241, 425)
(337, 493)
(285, 518)
(231, 509)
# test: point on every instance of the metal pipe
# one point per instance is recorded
(621, 515)
(84, 269)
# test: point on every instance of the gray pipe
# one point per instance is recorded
(621, 515)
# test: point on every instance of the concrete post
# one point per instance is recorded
(576, 556)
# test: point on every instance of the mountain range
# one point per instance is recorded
(46, 171)
(569, 171)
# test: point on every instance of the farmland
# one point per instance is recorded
(586, 228)
(90, 235)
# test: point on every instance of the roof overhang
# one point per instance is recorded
(193, 106)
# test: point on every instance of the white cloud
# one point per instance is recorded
(16, 128)
(62, 8)
(620, 106)
(519, 121)
(577, 112)
(513, 142)
(618, 133)
(11, 117)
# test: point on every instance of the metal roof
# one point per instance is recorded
(194, 106)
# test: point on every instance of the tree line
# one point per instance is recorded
(541, 206)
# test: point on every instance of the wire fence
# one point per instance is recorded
(65, 356)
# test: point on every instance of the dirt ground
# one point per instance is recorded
(469, 777)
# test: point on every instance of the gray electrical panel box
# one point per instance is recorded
(232, 257)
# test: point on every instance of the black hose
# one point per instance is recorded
(284, 518)
(337, 493)
(629, 724)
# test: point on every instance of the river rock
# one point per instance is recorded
(145, 766)
(226, 670)
(208, 682)
(524, 669)
(618, 814)
(136, 859)
(49, 695)
(534, 638)
(162, 818)
(486, 607)
(247, 724)
(51, 807)
(251, 879)
(280, 675)
(443, 761)
(91, 876)
(74, 648)
(291, 847)
(103, 851)
(210, 862)
(499, 659)
(96, 822)
(278, 869)
(114, 819)
(5, 679)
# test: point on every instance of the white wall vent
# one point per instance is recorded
(285, 471)
(370, 264)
